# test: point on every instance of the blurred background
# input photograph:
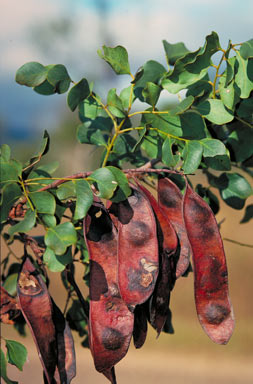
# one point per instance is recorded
(69, 32)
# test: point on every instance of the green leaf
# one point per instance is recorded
(246, 49)
(115, 104)
(244, 75)
(219, 162)
(31, 74)
(105, 181)
(240, 142)
(16, 353)
(10, 283)
(4, 371)
(78, 93)
(57, 263)
(66, 191)
(49, 168)
(60, 237)
(212, 147)
(45, 89)
(193, 125)
(182, 106)
(84, 199)
(48, 220)
(152, 71)
(88, 133)
(229, 94)
(192, 155)
(200, 90)
(117, 58)
(44, 202)
(151, 93)
(59, 78)
(245, 109)
(5, 152)
(174, 51)
(168, 158)
(191, 67)
(123, 190)
(234, 189)
(125, 96)
(10, 194)
(215, 111)
(24, 225)
(10, 170)
(89, 108)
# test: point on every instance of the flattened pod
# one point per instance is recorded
(138, 258)
(170, 200)
(50, 332)
(110, 321)
(140, 325)
(159, 302)
(212, 300)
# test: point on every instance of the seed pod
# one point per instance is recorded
(110, 321)
(50, 332)
(9, 308)
(138, 259)
(170, 200)
(140, 325)
(212, 300)
(159, 301)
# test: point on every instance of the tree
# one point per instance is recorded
(100, 218)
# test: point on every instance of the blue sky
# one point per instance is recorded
(138, 25)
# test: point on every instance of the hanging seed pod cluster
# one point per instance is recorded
(138, 248)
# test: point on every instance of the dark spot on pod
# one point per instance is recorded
(112, 339)
(169, 200)
(99, 284)
(100, 227)
(123, 211)
(140, 233)
(216, 313)
(216, 277)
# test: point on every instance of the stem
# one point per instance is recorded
(217, 73)
(238, 243)
(148, 112)
(244, 122)
(84, 303)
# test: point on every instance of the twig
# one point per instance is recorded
(238, 243)
(84, 303)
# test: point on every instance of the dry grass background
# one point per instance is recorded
(188, 356)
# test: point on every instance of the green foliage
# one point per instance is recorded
(210, 129)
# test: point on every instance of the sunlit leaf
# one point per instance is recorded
(60, 237)
(117, 58)
(31, 74)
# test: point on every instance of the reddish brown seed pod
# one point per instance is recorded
(138, 259)
(47, 325)
(110, 321)
(140, 325)
(159, 302)
(170, 200)
(212, 300)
